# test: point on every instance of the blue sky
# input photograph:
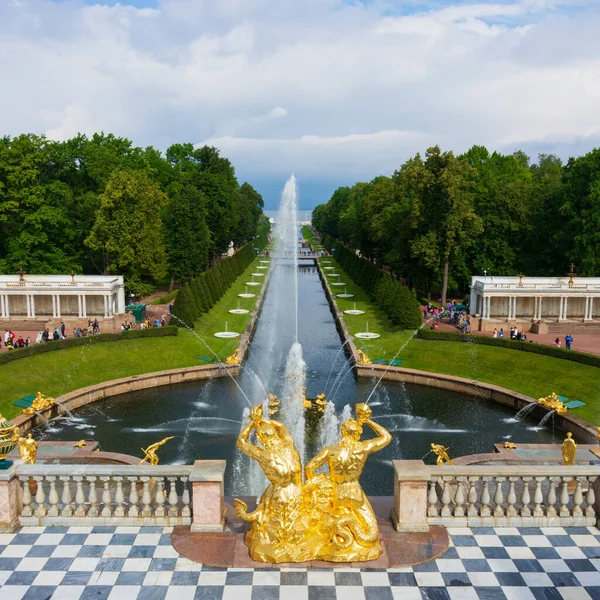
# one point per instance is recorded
(333, 92)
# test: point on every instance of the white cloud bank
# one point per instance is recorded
(312, 86)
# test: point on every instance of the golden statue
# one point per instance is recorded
(510, 445)
(39, 404)
(80, 444)
(234, 359)
(273, 403)
(9, 436)
(442, 454)
(363, 359)
(28, 449)
(569, 448)
(319, 402)
(277, 526)
(343, 526)
(307, 401)
(552, 402)
(150, 452)
(327, 518)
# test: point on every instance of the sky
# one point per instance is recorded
(333, 91)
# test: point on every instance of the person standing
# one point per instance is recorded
(62, 329)
(568, 341)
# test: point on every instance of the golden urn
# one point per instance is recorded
(9, 436)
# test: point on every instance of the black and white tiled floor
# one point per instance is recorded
(125, 563)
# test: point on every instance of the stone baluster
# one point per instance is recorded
(134, 511)
(54, 509)
(185, 498)
(79, 496)
(146, 499)
(27, 510)
(525, 498)
(538, 497)
(67, 497)
(106, 498)
(578, 498)
(459, 498)
(446, 499)
(551, 498)
(92, 497)
(40, 498)
(472, 497)
(590, 498)
(564, 498)
(499, 498)
(432, 500)
(511, 498)
(119, 498)
(485, 510)
(160, 498)
(173, 498)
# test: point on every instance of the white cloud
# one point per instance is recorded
(311, 86)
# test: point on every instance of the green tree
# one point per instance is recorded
(128, 227)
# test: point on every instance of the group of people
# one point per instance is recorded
(146, 323)
(11, 341)
(515, 334)
(568, 341)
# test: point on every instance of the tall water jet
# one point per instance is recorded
(292, 409)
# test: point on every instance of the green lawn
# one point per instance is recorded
(56, 373)
(307, 234)
(532, 374)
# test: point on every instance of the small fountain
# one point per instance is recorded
(258, 274)
(354, 311)
(264, 262)
(337, 283)
(226, 333)
(345, 294)
(246, 294)
(367, 335)
(262, 267)
(239, 310)
(329, 268)
(333, 274)
(253, 282)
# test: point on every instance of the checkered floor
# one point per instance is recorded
(125, 563)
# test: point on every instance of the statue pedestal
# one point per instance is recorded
(409, 513)
(208, 504)
(10, 499)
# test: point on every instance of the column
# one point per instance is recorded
(114, 303)
(2, 305)
(409, 512)
(53, 305)
(560, 309)
(28, 305)
(58, 305)
(32, 300)
(514, 307)
(488, 310)
(540, 308)
(105, 306)
(6, 306)
(83, 305)
(79, 311)
(208, 506)
(591, 308)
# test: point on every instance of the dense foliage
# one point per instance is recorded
(394, 298)
(202, 292)
(102, 205)
(442, 218)
(51, 346)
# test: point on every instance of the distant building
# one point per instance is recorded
(535, 298)
(50, 296)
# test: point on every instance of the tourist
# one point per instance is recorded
(27, 342)
(156, 322)
(557, 342)
(501, 333)
(495, 334)
(20, 342)
(9, 344)
(45, 335)
(56, 335)
(6, 337)
(568, 341)
(40, 337)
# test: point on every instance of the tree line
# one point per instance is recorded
(441, 218)
(100, 204)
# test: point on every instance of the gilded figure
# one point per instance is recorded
(150, 452)
(569, 448)
(28, 449)
(277, 525)
(39, 403)
(442, 454)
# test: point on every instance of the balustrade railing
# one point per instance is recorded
(512, 496)
(105, 495)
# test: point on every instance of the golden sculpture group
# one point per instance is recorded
(40, 403)
(552, 402)
(150, 452)
(326, 517)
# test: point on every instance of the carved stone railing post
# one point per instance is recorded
(409, 512)
(208, 506)
(10, 499)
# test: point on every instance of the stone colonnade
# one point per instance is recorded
(57, 305)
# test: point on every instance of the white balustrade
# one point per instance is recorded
(511, 496)
(105, 495)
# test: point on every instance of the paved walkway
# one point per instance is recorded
(125, 563)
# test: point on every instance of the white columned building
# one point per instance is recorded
(536, 298)
(61, 296)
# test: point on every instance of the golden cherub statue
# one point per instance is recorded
(363, 359)
(28, 449)
(234, 359)
(327, 518)
(150, 451)
(80, 444)
(39, 403)
(442, 454)
(569, 448)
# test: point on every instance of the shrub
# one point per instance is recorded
(184, 308)
(572, 355)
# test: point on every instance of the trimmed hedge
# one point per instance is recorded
(71, 342)
(572, 355)
(397, 300)
(204, 291)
